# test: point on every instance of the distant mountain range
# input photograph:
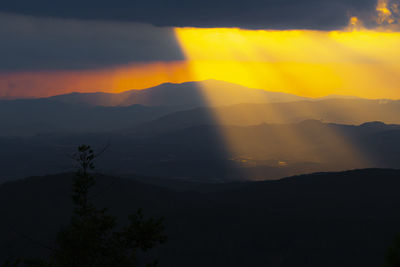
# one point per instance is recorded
(341, 111)
(189, 95)
(181, 105)
(342, 219)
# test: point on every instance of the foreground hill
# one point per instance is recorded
(324, 219)
(213, 152)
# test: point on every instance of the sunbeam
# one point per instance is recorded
(307, 63)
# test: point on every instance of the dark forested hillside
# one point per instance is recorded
(323, 219)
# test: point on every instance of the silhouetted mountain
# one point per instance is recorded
(189, 94)
(324, 219)
(213, 152)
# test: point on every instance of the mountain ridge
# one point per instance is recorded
(189, 94)
(200, 90)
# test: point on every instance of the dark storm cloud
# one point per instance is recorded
(50, 35)
(29, 43)
(278, 14)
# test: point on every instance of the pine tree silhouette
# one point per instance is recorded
(90, 239)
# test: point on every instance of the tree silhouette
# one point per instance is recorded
(90, 239)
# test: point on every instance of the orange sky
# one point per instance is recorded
(363, 63)
(114, 80)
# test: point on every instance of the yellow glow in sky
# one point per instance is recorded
(309, 63)
(356, 62)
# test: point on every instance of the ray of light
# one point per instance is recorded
(307, 63)
(360, 63)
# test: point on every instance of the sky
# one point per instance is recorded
(309, 48)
